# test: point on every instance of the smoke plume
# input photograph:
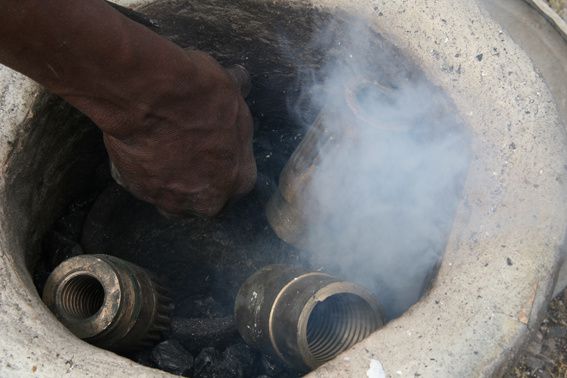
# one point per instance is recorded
(382, 200)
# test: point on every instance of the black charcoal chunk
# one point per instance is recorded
(237, 361)
(207, 364)
(241, 356)
(199, 307)
(199, 333)
(60, 248)
(270, 366)
(71, 223)
(170, 356)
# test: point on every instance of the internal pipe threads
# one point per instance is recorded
(108, 302)
(82, 297)
(304, 318)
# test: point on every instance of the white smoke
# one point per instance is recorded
(385, 199)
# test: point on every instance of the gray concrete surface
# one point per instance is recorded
(501, 261)
(539, 39)
(548, 51)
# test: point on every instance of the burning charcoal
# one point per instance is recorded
(200, 307)
(60, 248)
(237, 361)
(222, 234)
(270, 366)
(273, 368)
(241, 354)
(102, 175)
(40, 274)
(196, 334)
(208, 308)
(265, 186)
(207, 363)
(170, 356)
(144, 357)
(70, 224)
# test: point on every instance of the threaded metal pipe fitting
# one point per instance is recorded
(304, 318)
(108, 302)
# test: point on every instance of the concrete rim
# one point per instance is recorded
(501, 260)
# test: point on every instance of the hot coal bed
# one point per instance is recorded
(203, 262)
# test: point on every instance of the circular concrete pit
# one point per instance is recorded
(502, 254)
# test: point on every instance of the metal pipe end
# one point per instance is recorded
(338, 317)
(304, 318)
(108, 302)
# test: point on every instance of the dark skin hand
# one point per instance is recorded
(175, 125)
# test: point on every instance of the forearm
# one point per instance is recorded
(175, 124)
(89, 54)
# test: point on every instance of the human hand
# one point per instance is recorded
(198, 154)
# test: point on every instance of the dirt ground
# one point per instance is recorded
(545, 355)
(560, 6)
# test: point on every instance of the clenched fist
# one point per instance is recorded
(192, 148)
(175, 124)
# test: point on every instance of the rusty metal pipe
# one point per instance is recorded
(304, 318)
(108, 302)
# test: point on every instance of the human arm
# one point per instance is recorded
(174, 123)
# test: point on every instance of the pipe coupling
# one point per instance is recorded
(108, 302)
(304, 318)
